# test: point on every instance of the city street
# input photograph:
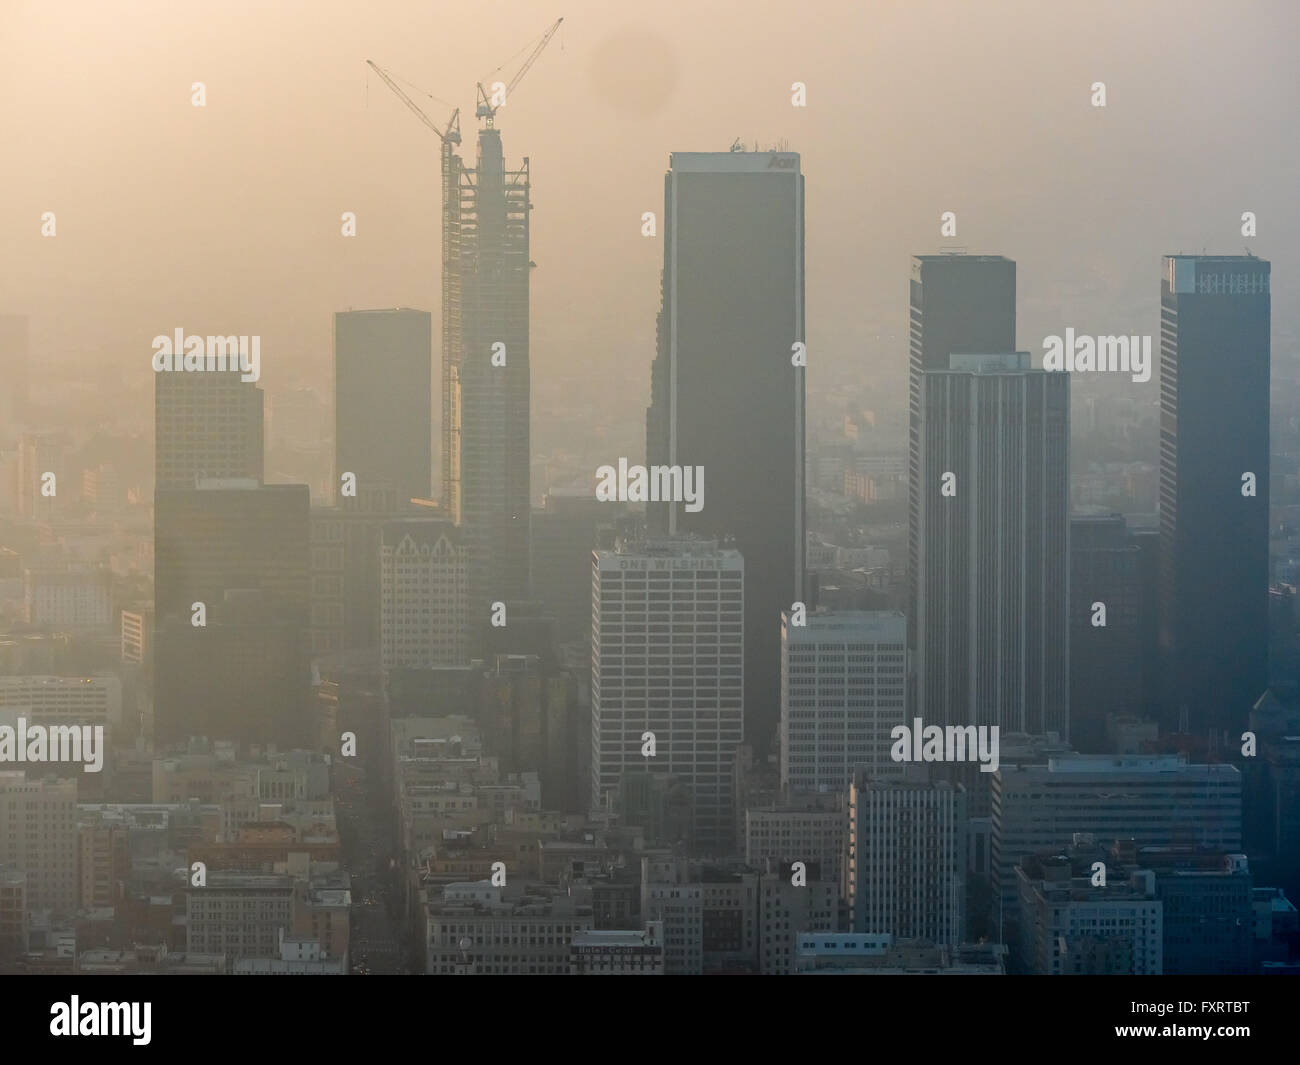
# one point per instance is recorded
(376, 945)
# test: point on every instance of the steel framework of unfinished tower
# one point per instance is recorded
(486, 389)
(485, 404)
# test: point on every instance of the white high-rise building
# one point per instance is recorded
(906, 871)
(424, 595)
(667, 653)
(843, 685)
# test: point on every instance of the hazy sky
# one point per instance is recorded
(226, 218)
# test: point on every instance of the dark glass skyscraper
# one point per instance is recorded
(1214, 449)
(725, 394)
(240, 549)
(993, 574)
(383, 381)
(1106, 664)
(959, 303)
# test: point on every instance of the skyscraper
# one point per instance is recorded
(959, 303)
(383, 369)
(906, 872)
(345, 569)
(563, 535)
(725, 392)
(843, 687)
(992, 537)
(241, 550)
(485, 370)
(423, 595)
(667, 646)
(1105, 644)
(207, 425)
(1214, 489)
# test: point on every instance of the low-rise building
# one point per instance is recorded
(611, 952)
(475, 929)
(1083, 912)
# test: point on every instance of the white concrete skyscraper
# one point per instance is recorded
(843, 687)
(906, 870)
(667, 654)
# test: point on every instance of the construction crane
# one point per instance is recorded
(486, 109)
(449, 136)
(451, 180)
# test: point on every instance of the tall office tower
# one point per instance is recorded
(528, 723)
(207, 426)
(667, 647)
(959, 303)
(485, 367)
(39, 454)
(1155, 800)
(725, 394)
(1147, 541)
(563, 535)
(843, 687)
(345, 541)
(38, 835)
(906, 868)
(1214, 489)
(241, 550)
(383, 399)
(992, 528)
(1106, 625)
(13, 371)
(424, 595)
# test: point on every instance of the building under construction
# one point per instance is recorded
(485, 373)
(485, 367)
